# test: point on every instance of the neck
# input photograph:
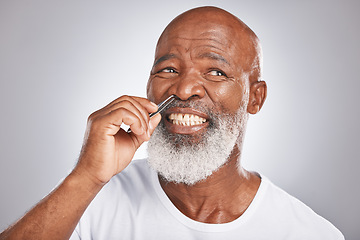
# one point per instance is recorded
(221, 198)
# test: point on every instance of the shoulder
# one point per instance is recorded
(127, 187)
(118, 203)
(136, 171)
(134, 177)
(296, 215)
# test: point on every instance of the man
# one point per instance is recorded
(193, 185)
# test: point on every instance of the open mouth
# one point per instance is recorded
(186, 119)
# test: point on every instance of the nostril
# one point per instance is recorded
(193, 96)
(186, 99)
(176, 97)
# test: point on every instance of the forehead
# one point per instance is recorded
(225, 39)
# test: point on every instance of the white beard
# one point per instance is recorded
(183, 159)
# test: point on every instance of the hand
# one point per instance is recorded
(107, 148)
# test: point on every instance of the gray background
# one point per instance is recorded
(62, 60)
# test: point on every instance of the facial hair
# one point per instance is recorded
(189, 159)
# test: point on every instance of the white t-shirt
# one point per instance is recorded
(134, 206)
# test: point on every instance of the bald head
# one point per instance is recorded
(228, 29)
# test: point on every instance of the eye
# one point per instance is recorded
(167, 70)
(217, 73)
(166, 73)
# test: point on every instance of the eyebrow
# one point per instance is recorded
(214, 56)
(164, 58)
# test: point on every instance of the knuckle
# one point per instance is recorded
(92, 116)
(125, 97)
(95, 115)
(126, 104)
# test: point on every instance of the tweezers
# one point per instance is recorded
(163, 105)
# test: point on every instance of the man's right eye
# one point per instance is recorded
(167, 73)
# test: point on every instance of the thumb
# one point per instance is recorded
(154, 121)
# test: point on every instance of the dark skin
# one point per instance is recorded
(203, 53)
(208, 62)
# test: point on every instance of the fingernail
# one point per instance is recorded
(150, 125)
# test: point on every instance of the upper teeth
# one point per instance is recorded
(186, 119)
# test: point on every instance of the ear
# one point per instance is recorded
(257, 96)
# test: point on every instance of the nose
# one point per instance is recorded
(187, 86)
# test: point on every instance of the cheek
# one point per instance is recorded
(157, 89)
(227, 95)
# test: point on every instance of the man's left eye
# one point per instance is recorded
(217, 73)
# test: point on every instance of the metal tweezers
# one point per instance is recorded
(163, 105)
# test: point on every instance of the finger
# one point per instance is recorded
(144, 110)
(134, 107)
(122, 115)
(140, 139)
(146, 103)
(149, 105)
(119, 99)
